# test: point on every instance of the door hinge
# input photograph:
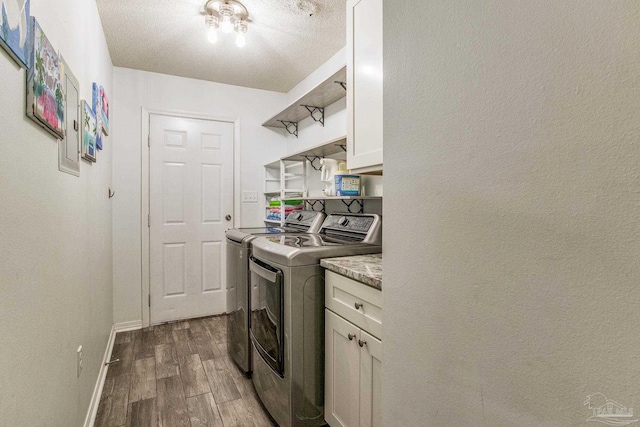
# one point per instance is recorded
(149, 220)
(149, 140)
(149, 300)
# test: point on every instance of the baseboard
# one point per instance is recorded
(102, 375)
(128, 326)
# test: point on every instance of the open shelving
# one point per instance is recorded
(354, 204)
(302, 162)
(311, 104)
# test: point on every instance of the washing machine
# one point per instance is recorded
(238, 291)
(287, 313)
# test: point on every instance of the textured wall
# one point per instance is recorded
(137, 89)
(55, 231)
(511, 284)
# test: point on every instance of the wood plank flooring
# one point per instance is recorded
(178, 375)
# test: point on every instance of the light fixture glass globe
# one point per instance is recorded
(226, 26)
(241, 40)
(212, 35)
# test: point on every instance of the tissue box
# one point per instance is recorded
(347, 185)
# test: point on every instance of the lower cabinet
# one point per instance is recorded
(370, 380)
(353, 374)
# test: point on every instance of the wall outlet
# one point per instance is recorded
(249, 197)
(79, 361)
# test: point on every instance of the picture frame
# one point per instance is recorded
(69, 146)
(15, 30)
(88, 126)
(45, 89)
(97, 108)
(104, 111)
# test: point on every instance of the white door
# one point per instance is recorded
(342, 372)
(191, 205)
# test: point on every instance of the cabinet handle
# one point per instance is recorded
(351, 336)
(358, 305)
(362, 343)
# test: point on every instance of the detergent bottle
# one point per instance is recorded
(327, 173)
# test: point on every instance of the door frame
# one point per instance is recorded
(146, 196)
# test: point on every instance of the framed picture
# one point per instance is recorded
(105, 111)
(97, 108)
(15, 29)
(69, 146)
(89, 127)
(45, 88)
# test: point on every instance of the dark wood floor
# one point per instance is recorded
(176, 375)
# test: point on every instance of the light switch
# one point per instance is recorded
(249, 197)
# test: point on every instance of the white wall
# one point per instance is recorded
(137, 89)
(55, 229)
(511, 286)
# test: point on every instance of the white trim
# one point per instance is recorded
(237, 206)
(128, 326)
(144, 211)
(144, 208)
(90, 419)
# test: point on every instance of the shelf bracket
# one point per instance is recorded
(313, 111)
(343, 146)
(313, 203)
(289, 126)
(343, 84)
(359, 204)
(312, 159)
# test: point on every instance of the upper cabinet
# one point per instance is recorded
(364, 83)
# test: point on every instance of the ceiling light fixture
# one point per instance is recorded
(213, 23)
(241, 29)
(228, 15)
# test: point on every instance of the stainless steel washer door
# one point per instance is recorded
(267, 314)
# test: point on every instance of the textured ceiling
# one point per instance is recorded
(284, 43)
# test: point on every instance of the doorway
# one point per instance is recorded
(191, 204)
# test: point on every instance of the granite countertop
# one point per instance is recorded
(363, 268)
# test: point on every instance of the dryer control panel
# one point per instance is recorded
(365, 227)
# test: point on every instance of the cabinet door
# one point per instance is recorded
(354, 301)
(370, 381)
(364, 83)
(342, 372)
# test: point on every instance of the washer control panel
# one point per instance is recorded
(349, 222)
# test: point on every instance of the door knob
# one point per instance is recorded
(358, 305)
(362, 343)
(228, 217)
(351, 336)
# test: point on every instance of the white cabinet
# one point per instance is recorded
(342, 372)
(364, 84)
(358, 303)
(370, 380)
(353, 356)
